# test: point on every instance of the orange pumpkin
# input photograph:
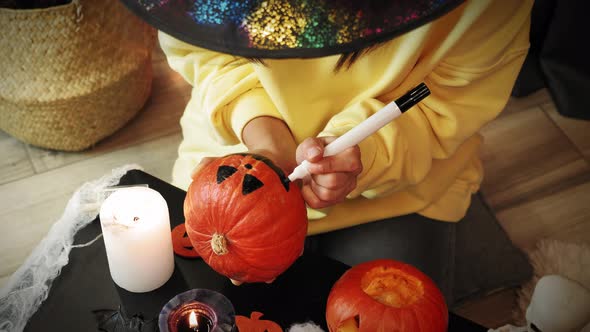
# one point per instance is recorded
(255, 324)
(386, 295)
(245, 218)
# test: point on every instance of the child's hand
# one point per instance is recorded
(333, 177)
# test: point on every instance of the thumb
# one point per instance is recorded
(311, 149)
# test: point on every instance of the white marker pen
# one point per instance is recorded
(367, 127)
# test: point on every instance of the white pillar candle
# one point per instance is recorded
(135, 225)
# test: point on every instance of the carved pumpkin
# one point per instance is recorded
(386, 295)
(255, 324)
(245, 218)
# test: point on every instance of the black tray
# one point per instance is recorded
(84, 285)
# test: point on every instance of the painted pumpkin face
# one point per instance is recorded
(386, 295)
(250, 181)
(245, 218)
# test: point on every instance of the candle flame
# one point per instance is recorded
(192, 320)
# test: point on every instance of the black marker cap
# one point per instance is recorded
(412, 97)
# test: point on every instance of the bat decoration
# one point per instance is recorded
(109, 320)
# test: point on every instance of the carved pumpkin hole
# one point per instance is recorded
(248, 166)
(392, 287)
(350, 325)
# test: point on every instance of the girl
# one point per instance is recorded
(283, 78)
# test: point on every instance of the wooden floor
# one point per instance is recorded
(537, 176)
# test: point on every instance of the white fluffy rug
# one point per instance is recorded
(570, 260)
(306, 327)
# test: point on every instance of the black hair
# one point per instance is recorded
(348, 59)
(345, 59)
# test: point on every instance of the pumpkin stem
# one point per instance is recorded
(219, 244)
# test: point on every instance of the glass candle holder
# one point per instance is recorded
(197, 310)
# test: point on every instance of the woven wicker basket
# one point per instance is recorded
(72, 74)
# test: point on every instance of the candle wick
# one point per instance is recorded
(135, 218)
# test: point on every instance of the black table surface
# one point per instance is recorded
(299, 295)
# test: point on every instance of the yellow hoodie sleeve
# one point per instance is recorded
(469, 88)
(225, 87)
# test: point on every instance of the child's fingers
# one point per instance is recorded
(312, 200)
(333, 195)
(317, 196)
(348, 161)
(331, 180)
(311, 149)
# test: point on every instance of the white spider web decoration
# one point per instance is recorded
(29, 286)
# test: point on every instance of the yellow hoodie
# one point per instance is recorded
(425, 161)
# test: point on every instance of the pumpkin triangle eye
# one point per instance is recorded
(284, 179)
(250, 184)
(224, 172)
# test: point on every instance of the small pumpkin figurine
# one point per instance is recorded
(255, 324)
(245, 218)
(181, 243)
(385, 295)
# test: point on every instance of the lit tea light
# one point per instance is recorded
(135, 225)
(194, 317)
(197, 310)
(199, 322)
